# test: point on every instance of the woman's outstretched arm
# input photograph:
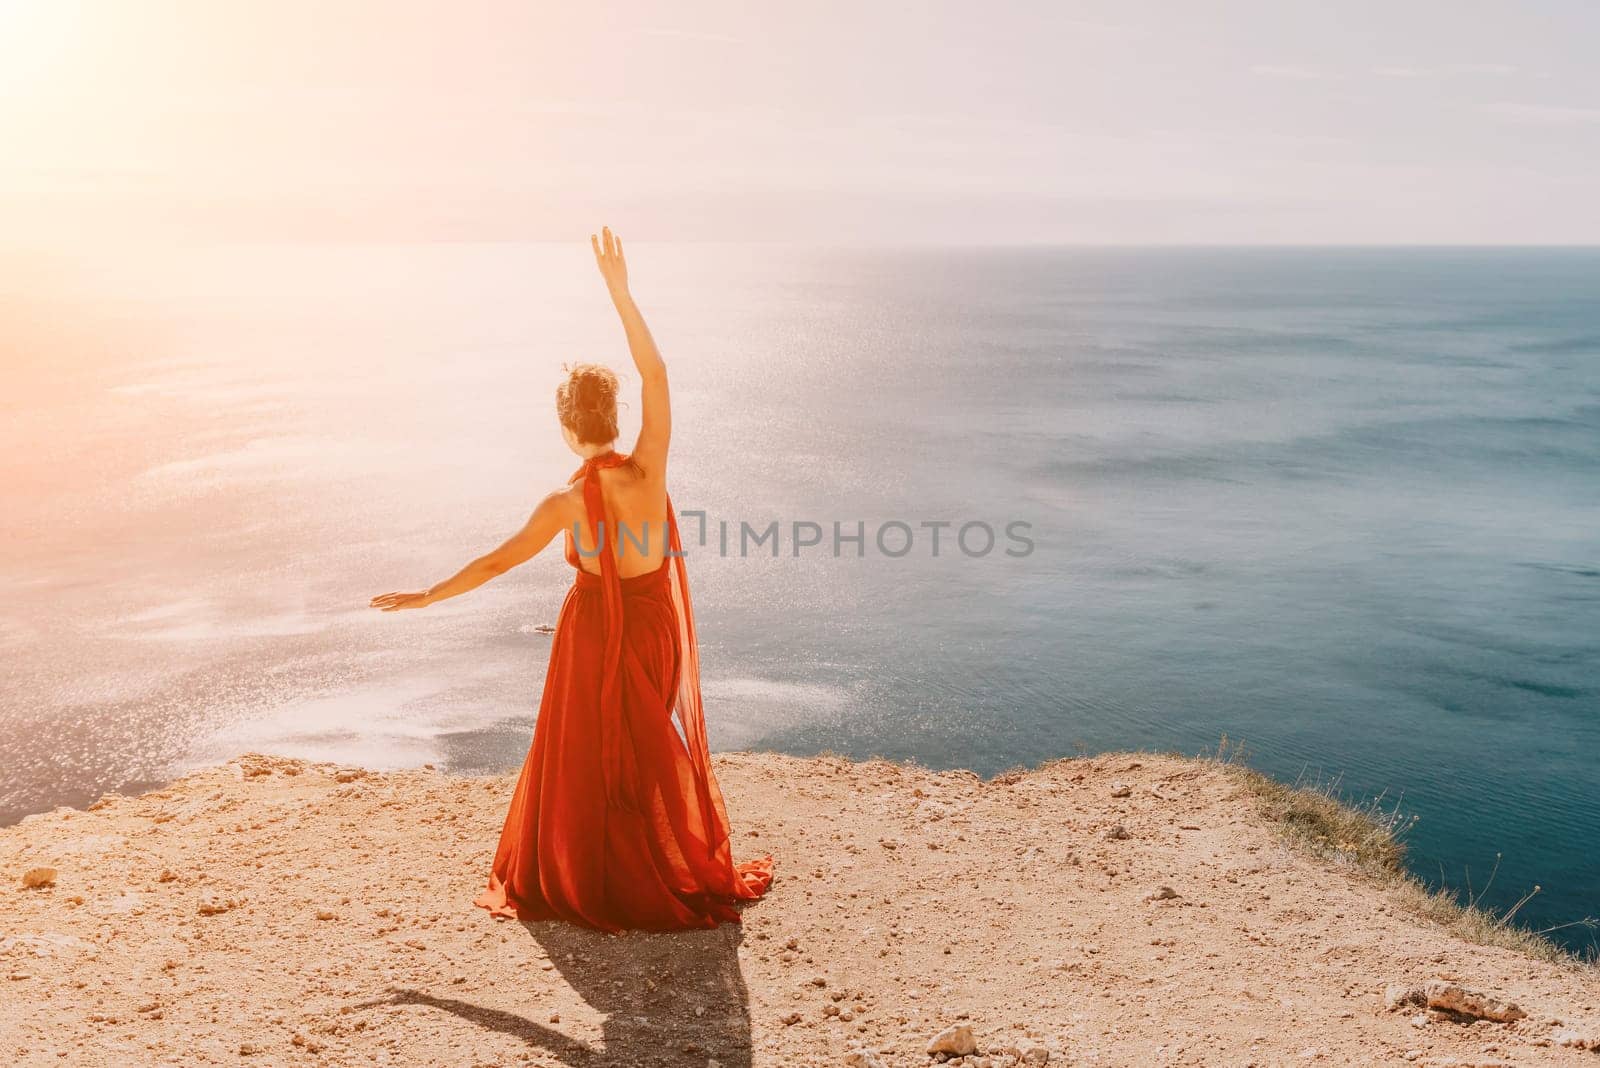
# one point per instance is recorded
(655, 431)
(548, 519)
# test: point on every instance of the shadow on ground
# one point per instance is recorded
(676, 998)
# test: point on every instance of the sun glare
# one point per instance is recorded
(34, 38)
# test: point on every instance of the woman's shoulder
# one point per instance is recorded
(628, 473)
(568, 499)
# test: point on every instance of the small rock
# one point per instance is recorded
(791, 1019)
(1118, 833)
(862, 1058)
(349, 774)
(956, 1041)
(212, 906)
(1035, 1055)
(325, 914)
(1162, 893)
(1121, 789)
(1577, 1040)
(1400, 996)
(38, 878)
(1448, 997)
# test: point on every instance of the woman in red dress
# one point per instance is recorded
(616, 821)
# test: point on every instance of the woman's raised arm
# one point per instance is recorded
(655, 431)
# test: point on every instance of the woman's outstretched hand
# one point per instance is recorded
(394, 602)
(608, 255)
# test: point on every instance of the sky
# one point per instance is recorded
(1133, 122)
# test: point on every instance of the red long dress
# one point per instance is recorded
(617, 821)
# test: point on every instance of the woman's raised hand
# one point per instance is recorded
(608, 255)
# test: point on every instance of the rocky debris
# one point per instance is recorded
(254, 765)
(1446, 997)
(1577, 1040)
(1121, 789)
(999, 1057)
(954, 1041)
(310, 1045)
(214, 904)
(38, 878)
(1162, 893)
(862, 1058)
(262, 765)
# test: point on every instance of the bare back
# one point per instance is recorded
(637, 506)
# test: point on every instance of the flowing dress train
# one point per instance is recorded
(617, 821)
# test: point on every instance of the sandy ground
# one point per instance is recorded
(277, 912)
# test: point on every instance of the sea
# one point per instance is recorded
(972, 507)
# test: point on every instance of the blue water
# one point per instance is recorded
(1340, 505)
